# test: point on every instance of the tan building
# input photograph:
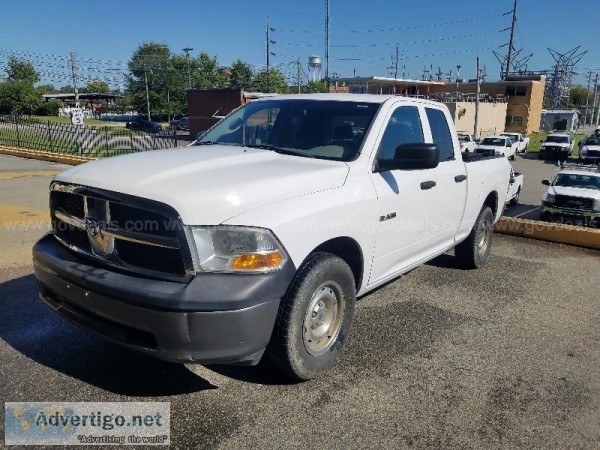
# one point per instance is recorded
(491, 117)
(522, 98)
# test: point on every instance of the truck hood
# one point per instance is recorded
(574, 192)
(591, 147)
(556, 144)
(208, 185)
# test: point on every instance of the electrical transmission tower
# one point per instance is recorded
(559, 81)
(518, 64)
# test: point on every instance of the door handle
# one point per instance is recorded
(460, 178)
(427, 185)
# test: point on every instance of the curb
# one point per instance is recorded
(45, 156)
(554, 232)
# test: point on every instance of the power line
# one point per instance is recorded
(413, 27)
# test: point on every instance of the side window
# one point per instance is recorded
(404, 127)
(440, 133)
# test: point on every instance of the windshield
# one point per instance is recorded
(578, 181)
(493, 141)
(592, 141)
(325, 129)
(558, 139)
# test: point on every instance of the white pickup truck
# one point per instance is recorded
(499, 145)
(467, 142)
(522, 142)
(259, 238)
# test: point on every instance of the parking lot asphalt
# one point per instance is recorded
(506, 356)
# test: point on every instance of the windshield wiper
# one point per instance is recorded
(205, 143)
(281, 150)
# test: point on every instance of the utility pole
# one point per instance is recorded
(396, 65)
(594, 108)
(269, 52)
(477, 101)
(587, 99)
(147, 91)
(457, 77)
(298, 74)
(327, 44)
(74, 74)
(187, 51)
(511, 43)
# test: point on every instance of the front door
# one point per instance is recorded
(405, 199)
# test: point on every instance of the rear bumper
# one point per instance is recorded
(205, 320)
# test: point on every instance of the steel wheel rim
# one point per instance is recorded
(485, 231)
(323, 319)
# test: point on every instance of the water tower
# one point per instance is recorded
(314, 68)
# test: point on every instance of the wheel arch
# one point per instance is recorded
(492, 202)
(347, 249)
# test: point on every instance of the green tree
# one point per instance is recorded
(577, 96)
(315, 86)
(241, 75)
(97, 87)
(149, 64)
(46, 89)
(18, 97)
(206, 73)
(21, 70)
(271, 81)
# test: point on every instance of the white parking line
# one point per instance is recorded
(527, 212)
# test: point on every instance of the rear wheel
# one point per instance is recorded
(473, 252)
(314, 317)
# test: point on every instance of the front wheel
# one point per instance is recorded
(473, 252)
(314, 317)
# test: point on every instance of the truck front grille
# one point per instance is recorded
(582, 204)
(118, 230)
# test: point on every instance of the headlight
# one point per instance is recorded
(235, 249)
(597, 205)
(548, 198)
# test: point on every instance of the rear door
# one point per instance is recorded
(406, 200)
(451, 176)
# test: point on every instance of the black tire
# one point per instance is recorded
(321, 276)
(515, 200)
(473, 252)
(513, 156)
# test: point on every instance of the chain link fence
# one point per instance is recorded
(90, 141)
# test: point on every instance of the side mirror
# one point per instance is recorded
(416, 156)
(512, 180)
(546, 182)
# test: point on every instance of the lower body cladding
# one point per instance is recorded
(214, 318)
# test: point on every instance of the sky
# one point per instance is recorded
(430, 34)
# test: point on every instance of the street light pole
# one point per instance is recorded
(457, 77)
(147, 91)
(187, 51)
